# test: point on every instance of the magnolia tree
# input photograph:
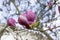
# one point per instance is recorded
(41, 16)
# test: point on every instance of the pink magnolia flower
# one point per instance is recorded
(11, 22)
(26, 18)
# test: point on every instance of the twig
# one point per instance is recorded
(1, 33)
(15, 6)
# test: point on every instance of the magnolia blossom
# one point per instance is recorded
(11, 22)
(26, 18)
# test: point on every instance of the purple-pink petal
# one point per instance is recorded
(22, 20)
(29, 15)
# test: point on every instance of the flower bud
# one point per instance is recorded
(23, 21)
(11, 22)
(26, 18)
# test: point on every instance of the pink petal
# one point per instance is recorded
(22, 20)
